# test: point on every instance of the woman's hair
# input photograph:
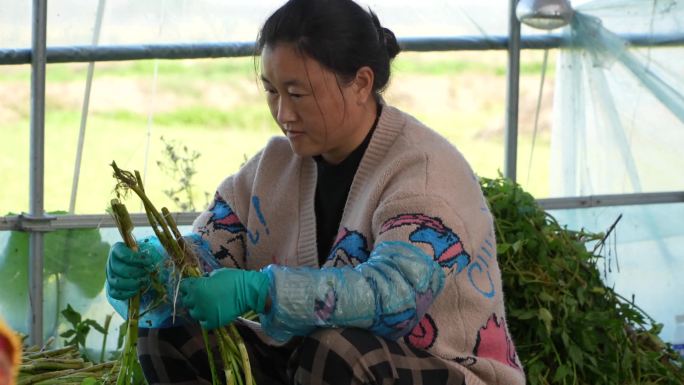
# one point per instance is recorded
(339, 34)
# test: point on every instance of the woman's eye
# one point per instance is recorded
(270, 91)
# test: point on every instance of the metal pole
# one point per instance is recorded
(513, 79)
(88, 53)
(84, 109)
(36, 172)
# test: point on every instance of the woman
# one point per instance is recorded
(361, 237)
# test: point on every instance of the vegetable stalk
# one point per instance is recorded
(233, 352)
(129, 359)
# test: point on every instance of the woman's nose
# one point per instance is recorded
(286, 113)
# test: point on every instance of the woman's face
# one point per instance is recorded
(319, 114)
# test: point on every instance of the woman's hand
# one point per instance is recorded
(128, 272)
(224, 295)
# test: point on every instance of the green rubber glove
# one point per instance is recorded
(224, 295)
(128, 272)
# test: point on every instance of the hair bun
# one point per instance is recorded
(390, 41)
(386, 37)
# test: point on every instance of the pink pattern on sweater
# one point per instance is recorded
(424, 334)
(493, 342)
(412, 219)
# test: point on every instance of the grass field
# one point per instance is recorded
(216, 107)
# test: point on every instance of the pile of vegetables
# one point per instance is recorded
(568, 326)
(42, 366)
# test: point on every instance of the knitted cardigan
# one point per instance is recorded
(415, 256)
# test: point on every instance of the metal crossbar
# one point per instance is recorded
(65, 222)
(92, 221)
(89, 53)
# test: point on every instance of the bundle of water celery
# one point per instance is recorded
(233, 354)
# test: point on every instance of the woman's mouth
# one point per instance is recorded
(291, 134)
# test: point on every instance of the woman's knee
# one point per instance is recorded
(341, 356)
(173, 355)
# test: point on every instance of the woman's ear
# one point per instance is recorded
(363, 84)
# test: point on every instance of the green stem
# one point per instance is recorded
(228, 343)
(108, 320)
(236, 372)
(210, 357)
(186, 252)
(43, 376)
(155, 228)
(39, 378)
(52, 353)
(129, 354)
(226, 356)
(246, 368)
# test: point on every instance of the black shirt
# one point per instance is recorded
(332, 187)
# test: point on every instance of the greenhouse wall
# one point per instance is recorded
(166, 73)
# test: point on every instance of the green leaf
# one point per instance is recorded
(517, 245)
(562, 372)
(546, 317)
(575, 354)
(524, 314)
(580, 294)
(76, 257)
(598, 290)
(81, 339)
(503, 247)
(565, 338)
(95, 325)
(86, 254)
(544, 296)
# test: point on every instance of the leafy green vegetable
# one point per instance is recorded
(568, 326)
(79, 327)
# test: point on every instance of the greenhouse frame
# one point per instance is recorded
(576, 206)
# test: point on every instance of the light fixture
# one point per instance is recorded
(544, 14)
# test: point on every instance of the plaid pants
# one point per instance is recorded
(326, 357)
